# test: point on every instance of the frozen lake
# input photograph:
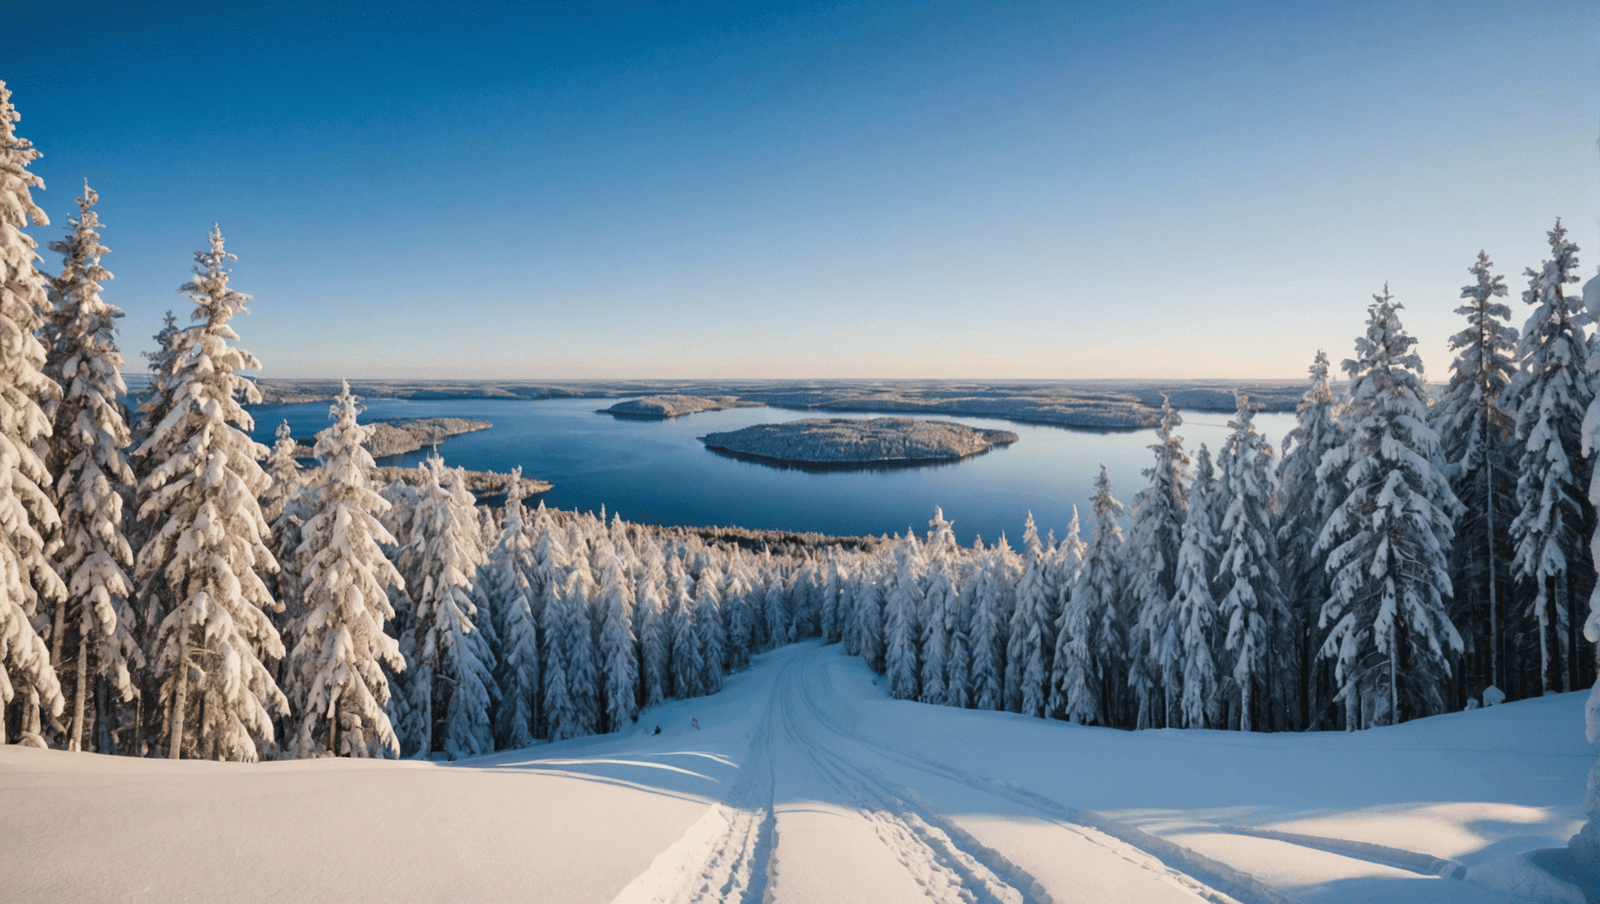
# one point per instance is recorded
(658, 472)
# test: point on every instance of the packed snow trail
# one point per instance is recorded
(820, 812)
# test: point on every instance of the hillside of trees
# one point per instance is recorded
(169, 587)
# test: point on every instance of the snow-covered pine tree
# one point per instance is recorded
(1305, 504)
(1389, 539)
(1154, 671)
(206, 540)
(27, 513)
(1476, 434)
(334, 671)
(505, 586)
(94, 622)
(1092, 672)
(902, 625)
(1195, 601)
(619, 655)
(1550, 393)
(1032, 636)
(450, 689)
(1252, 602)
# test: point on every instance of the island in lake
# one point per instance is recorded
(398, 437)
(661, 407)
(846, 442)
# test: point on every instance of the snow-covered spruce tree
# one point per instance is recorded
(739, 608)
(902, 625)
(334, 672)
(157, 397)
(710, 637)
(206, 540)
(1195, 601)
(94, 622)
(867, 611)
(958, 657)
(938, 608)
(450, 688)
(26, 510)
(832, 625)
(1550, 393)
(619, 656)
(570, 673)
(687, 661)
(1151, 554)
(653, 625)
(1252, 602)
(1031, 641)
(989, 634)
(1389, 539)
(285, 512)
(1091, 672)
(1585, 845)
(1305, 503)
(503, 583)
(776, 610)
(1476, 434)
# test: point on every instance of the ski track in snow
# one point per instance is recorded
(724, 857)
(1399, 858)
(945, 862)
(728, 856)
(1207, 878)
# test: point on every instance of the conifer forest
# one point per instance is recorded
(170, 588)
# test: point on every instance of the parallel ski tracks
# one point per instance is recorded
(727, 856)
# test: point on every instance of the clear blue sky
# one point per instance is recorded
(899, 189)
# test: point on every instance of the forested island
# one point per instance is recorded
(661, 407)
(397, 437)
(844, 442)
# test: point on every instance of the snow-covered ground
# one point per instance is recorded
(804, 782)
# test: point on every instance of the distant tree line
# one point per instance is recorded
(170, 587)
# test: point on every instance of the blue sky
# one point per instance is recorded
(900, 189)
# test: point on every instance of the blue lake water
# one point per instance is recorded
(658, 472)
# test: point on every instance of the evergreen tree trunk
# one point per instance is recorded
(1494, 605)
(76, 741)
(180, 701)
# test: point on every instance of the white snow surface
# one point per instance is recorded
(805, 782)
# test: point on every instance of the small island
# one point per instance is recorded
(847, 442)
(661, 407)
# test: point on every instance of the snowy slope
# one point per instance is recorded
(806, 783)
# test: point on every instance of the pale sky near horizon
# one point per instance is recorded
(872, 190)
